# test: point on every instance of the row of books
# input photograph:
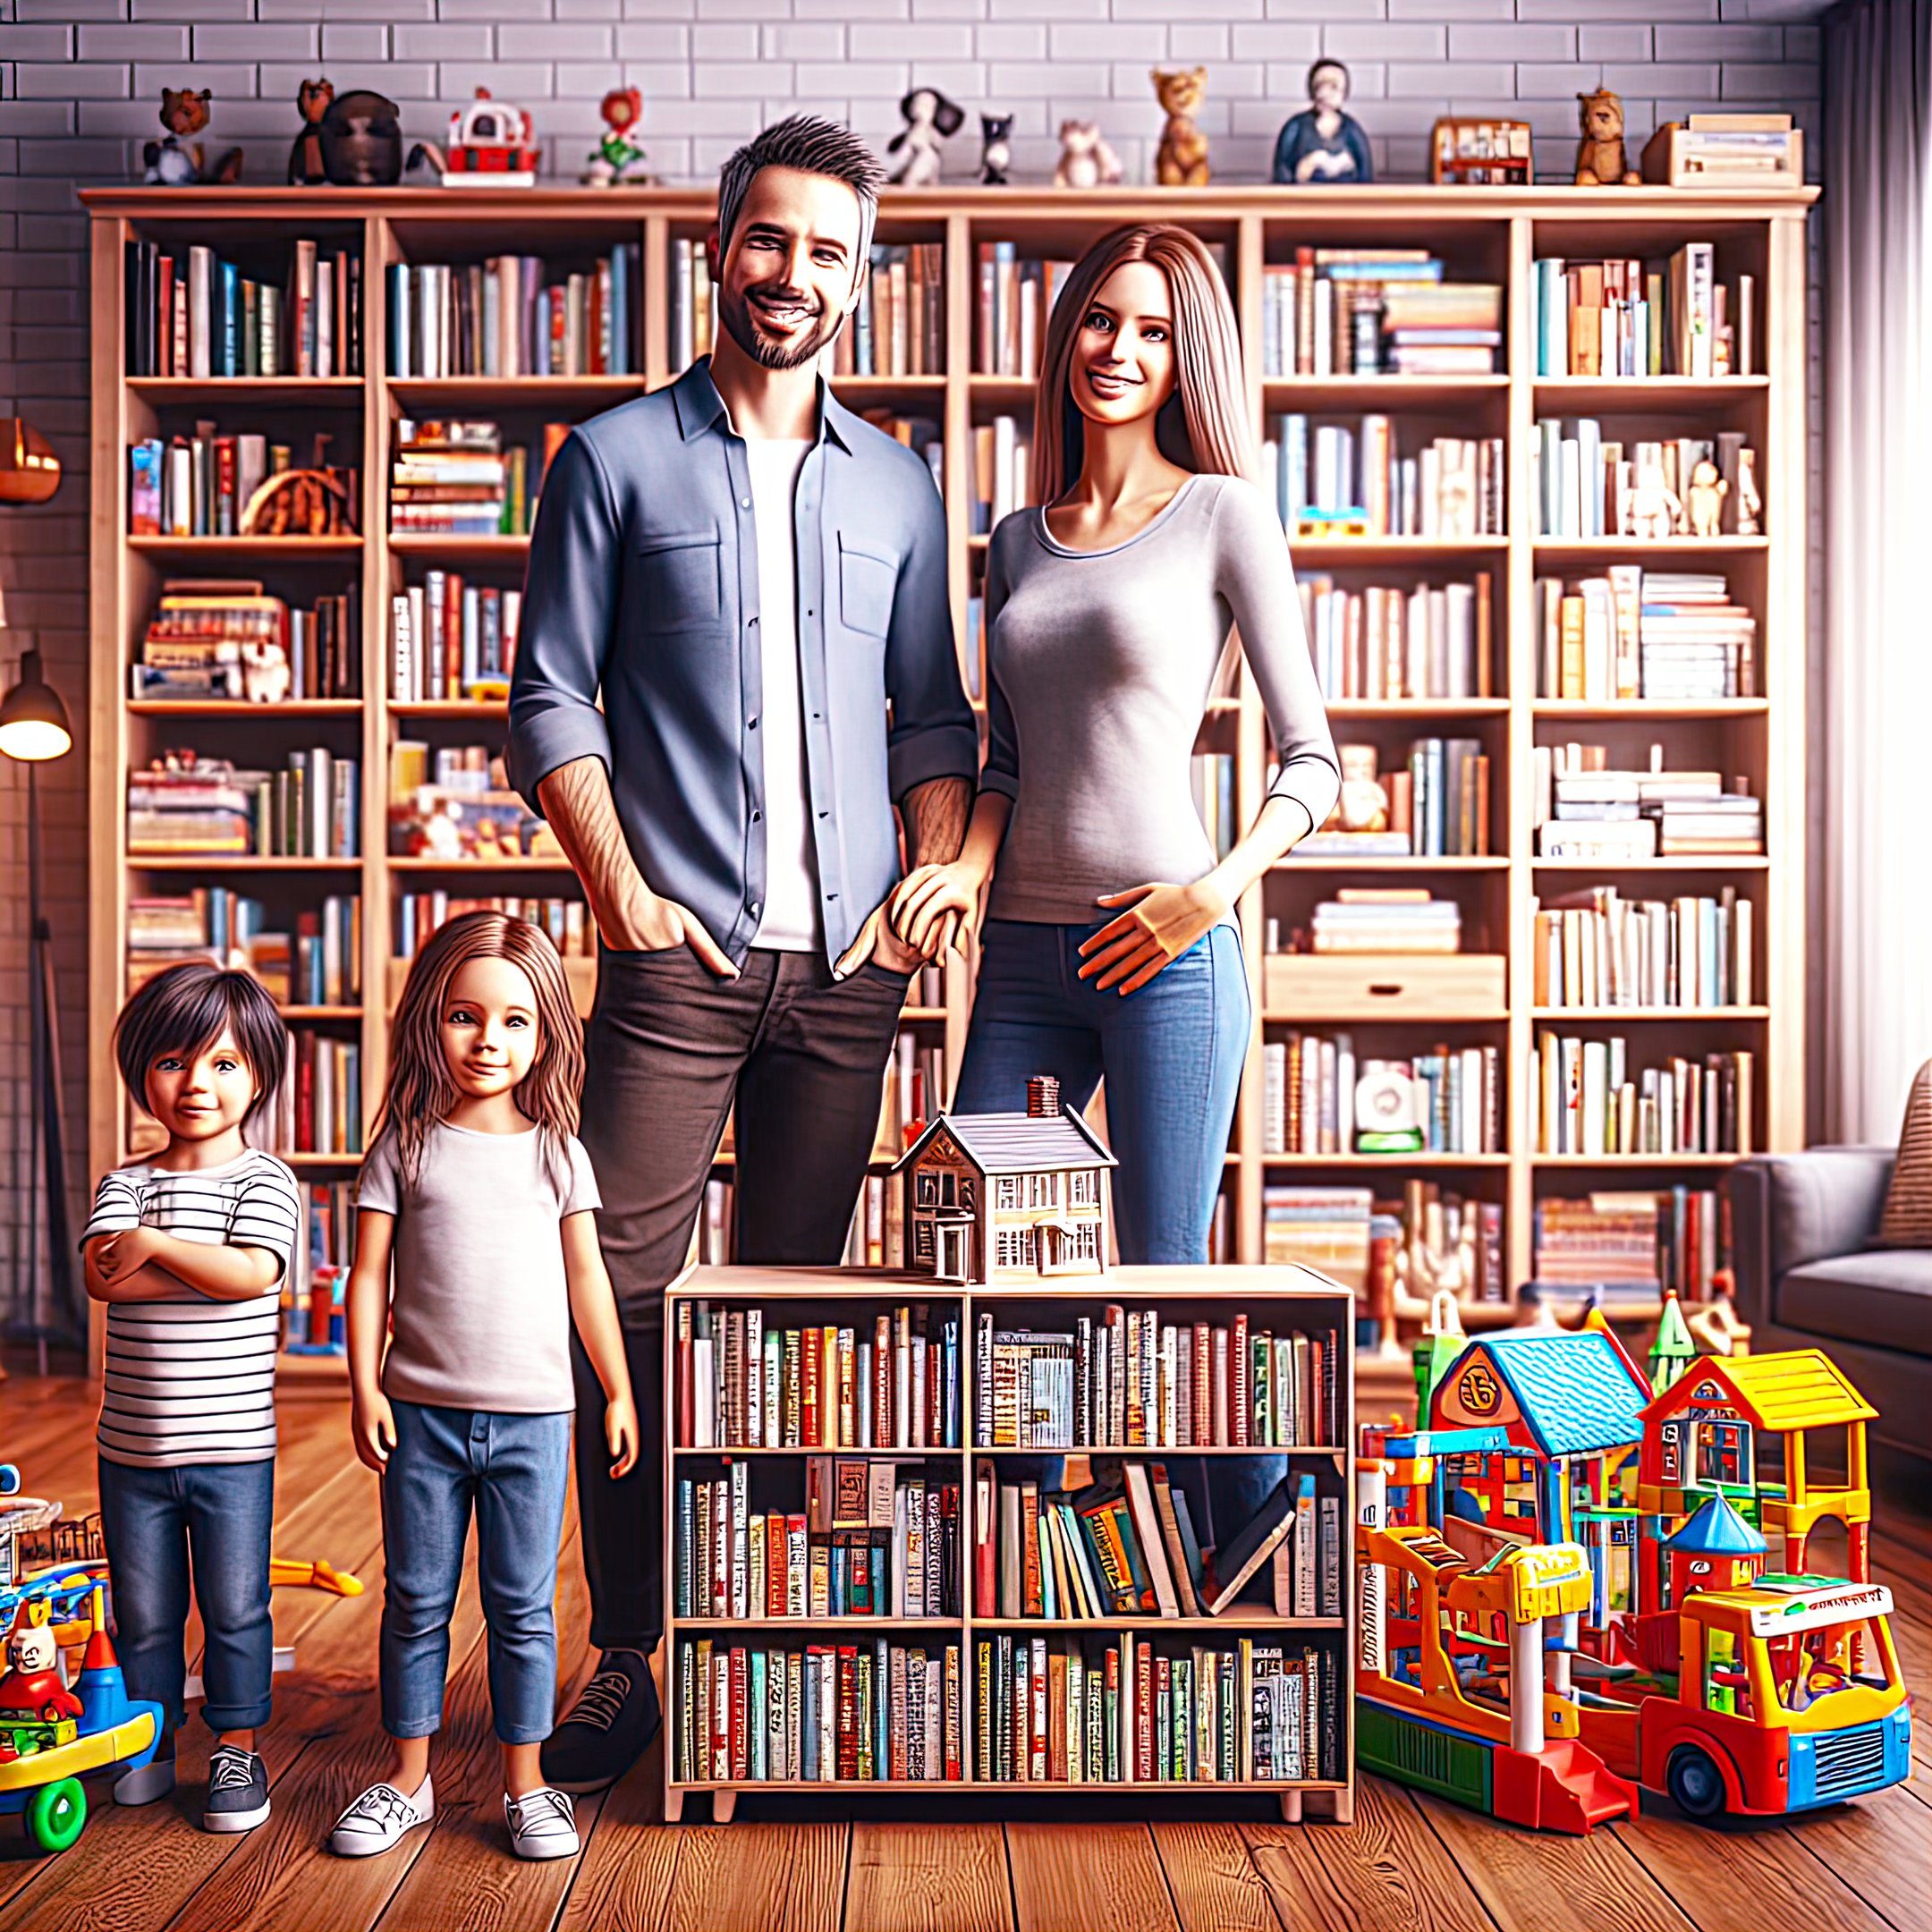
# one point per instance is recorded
(1584, 1100)
(458, 480)
(1063, 1711)
(1348, 311)
(1012, 299)
(1212, 775)
(920, 433)
(1581, 807)
(1588, 485)
(1634, 1246)
(311, 809)
(1134, 1380)
(1597, 948)
(816, 1713)
(870, 1542)
(201, 485)
(571, 931)
(1624, 317)
(1672, 636)
(191, 313)
(500, 316)
(1083, 1546)
(319, 964)
(1443, 1239)
(1438, 808)
(1392, 640)
(1377, 919)
(1354, 480)
(317, 1109)
(742, 1385)
(1002, 454)
(451, 637)
(899, 326)
(226, 639)
(1318, 1098)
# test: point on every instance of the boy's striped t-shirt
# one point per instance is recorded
(192, 1378)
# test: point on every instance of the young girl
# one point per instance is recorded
(187, 1249)
(478, 1184)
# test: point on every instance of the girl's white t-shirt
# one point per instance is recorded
(481, 1307)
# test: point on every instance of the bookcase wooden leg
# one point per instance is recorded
(1341, 1807)
(1291, 1808)
(722, 1804)
(673, 1806)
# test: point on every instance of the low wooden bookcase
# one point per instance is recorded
(1279, 1301)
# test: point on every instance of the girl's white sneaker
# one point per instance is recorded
(378, 1819)
(543, 1823)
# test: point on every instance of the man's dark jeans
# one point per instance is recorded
(670, 1048)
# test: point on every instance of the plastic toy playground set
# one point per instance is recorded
(1564, 1587)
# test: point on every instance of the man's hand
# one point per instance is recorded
(934, 907)
(1160, 923)
(643, 922)
(876, 942)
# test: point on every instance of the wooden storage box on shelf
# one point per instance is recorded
(1327, 986)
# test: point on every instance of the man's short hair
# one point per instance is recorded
(809, 145)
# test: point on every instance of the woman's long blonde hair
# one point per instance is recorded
(1204, 425)
(420, 1094)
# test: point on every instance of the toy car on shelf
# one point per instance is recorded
(491, 145)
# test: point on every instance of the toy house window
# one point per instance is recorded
(1006, 1191)
(1013, 1247)
(925, 1189)
(1083, 1241)
(1723, 1454)
(965, 1195)
(1082, 1189)
(922, 1243)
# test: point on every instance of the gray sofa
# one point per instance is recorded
(1807, 1276)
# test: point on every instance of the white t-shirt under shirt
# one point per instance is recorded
(790, 921)
(192, 1378)
(479, 1312)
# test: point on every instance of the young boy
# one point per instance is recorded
(187, 1249)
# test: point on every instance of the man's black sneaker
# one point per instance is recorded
(608, 1729)
(238, 1790)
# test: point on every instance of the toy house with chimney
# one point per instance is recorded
(1004, 1198)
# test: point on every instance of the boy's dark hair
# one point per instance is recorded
(811, 146)
(187, 1008)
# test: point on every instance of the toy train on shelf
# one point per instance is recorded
(1566, 1589)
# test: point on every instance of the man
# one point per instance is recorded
(750, 574)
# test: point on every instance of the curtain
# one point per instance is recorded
(1875, 858)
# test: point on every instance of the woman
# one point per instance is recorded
(1110, 946)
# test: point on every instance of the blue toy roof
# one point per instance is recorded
(1716, 1531)
(1576, 1393)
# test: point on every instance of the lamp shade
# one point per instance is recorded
(29, 470)
(33, 721)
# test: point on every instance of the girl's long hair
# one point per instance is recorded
(1204, 425)
(421, 1093)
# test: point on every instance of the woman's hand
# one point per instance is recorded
(372, 1422)
(621, 1433)
(1158, 925)
(934, 905)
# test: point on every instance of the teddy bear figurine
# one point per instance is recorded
(1182, 161)
(1086, 161)
(1600, 161)
(179, 162)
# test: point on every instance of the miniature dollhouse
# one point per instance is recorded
(1005, 1197)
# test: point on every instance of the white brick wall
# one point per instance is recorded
(80, 82)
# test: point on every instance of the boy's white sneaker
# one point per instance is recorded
(379, 1818)
(543, 1823)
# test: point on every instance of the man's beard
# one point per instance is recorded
(736, 310)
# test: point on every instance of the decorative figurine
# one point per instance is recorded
(930, 118)
(32, 1688)
(1600, 161)
(306, 168)
(1363, 804)
(1086, 161)
(179, 162)
(995, 148)
(426, 166)
(1749, 503)
(1322, 143)
(1182, 159)
(1703, 499)
(362, 140)
(265, 671)
(1654, 507)
(619, 159)
(491, 145)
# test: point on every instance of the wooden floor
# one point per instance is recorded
(1407, 1862)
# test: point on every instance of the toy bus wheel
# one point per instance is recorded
(56, 1815)
(1695, 1783)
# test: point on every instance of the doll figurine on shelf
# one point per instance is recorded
(1600, 161)
(1086, 160)
(1703, 499)
(930, 118)
(187, 1249)
(1322, 143)
(619, 158)
(1654, 506)
(1182, 159)
(460, 1375)
(1749, 507)
(996, 150)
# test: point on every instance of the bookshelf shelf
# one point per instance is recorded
(1389, 1162)
(1494, 233)
(1304, 1015)
(235, 707)
(1634, 1160)
(1236, 1617)
(480, 868)
(1391, 862)
(321, 1013)
(1703, 862)
(1157, 1452)
(490, 709)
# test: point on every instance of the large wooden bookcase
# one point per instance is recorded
(1283, 1300)
(1493, 235)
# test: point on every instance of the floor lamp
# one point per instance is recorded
(34, 729)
